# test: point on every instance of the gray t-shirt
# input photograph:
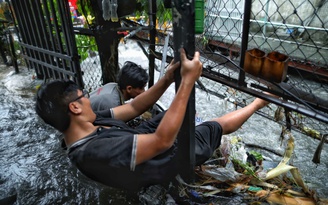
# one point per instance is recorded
(106, 97)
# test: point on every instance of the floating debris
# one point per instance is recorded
(317, 153)
(240, 171)
(279, 114)
(311, 132)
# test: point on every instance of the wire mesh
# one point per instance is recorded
(296, 29)
(89, 61)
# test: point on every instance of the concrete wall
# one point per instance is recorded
(312, 14)
(280, 10)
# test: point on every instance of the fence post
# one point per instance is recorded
(13, 53)
(152, 32)
(246, 21)
(183, 13)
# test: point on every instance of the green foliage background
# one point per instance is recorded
(87, 43)
(142, 9)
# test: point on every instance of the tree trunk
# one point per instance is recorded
(107, 41)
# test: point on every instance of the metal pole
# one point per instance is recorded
(184, 36)
(266, 17)
(166, 44)
(152, 32)
(244, 44)
(13, 53)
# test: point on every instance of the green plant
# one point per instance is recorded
(142, 9)
(84, 7)
(84, 45)
(163, 14)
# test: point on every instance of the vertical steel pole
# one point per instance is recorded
(152, 25)
(244, 44)
(13, 53)
(184, 36)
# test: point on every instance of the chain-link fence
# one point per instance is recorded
(89, 61)
(296, 30)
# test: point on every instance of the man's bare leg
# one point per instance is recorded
(234, 120)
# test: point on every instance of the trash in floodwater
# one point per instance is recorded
(259, 181)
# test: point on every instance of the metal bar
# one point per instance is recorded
(53, 53)
(55, 68)
(247, 16)
(131, 34)
(318, 103)
(22, 22)
(52, 47)
(38, 34)
(49, 25)
(83, 31)
(258, 112)
(13, 54)
(152, 32)
(63, 26)
(44, 35)
(183, 12)
(269, 22)
(295, 107)
(131, 28)
(289, 25)
(266, 16)
(287, 91)
(34, 37)
(18, 16)
(48, 38)
(66, 24)
(293, 42)
(70, 42)
(164, 56)
(57, 31)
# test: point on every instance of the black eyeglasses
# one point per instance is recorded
(84, 94)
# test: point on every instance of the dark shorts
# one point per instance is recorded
(207, 140)
(151, 125)
(207, 136)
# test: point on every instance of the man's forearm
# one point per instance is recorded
(148, 98)
(151, 144)
(142, 102)
(174, 116)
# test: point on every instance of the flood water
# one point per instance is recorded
(35, 170)
(33, 167)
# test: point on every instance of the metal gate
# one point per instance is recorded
(47, 38)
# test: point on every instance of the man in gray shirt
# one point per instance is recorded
(131, 81)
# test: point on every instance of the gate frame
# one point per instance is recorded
(50, 49)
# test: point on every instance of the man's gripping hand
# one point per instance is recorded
(169, 75)
(190, 69)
